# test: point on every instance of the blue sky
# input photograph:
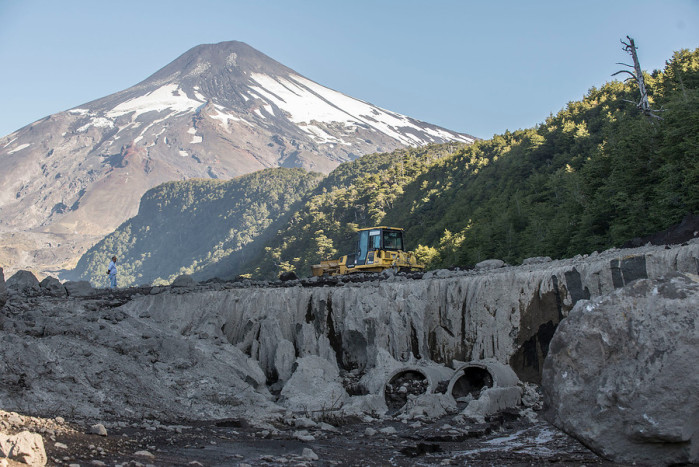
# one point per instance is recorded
(478, 67)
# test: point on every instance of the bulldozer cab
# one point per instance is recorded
(378, 238)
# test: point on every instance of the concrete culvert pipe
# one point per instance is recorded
(414, 380)
(470, 379)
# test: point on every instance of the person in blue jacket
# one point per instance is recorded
(112, 271)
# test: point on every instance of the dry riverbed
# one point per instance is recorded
(509, 438)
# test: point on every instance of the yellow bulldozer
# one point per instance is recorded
(378, 249)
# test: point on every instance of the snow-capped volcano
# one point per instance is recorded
(217, 111)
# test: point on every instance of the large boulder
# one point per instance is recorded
(491, 264)
(23, 448)
(621, 374)
(184, 280)
(24, 283)
(53, 286)
(79, 288)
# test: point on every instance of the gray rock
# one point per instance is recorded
(621, 373)
(531, 396)
(79, 288)
(309, 454)
(185, 280)
(314, 386)
(491, 264)
(428, 407)
(98, 429)
(53, 286)
(303, 435)
(327, 427)
(304, 422)
(15, 420)
(24, 283)
(388, 272)
(24, 447)
(493, 400)
(288, 276)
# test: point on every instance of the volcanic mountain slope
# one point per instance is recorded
(218, 111)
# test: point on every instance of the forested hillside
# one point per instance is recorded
(595, 175)
(200, 227)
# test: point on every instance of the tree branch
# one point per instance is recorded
(625, 71)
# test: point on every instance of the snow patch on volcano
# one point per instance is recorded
(305, 101)
(165, 97)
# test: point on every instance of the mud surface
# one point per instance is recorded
(505, 439)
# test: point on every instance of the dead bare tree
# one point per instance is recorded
(643, 104)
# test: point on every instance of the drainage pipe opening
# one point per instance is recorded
(414, 380)
(471, 382)
(401, 385)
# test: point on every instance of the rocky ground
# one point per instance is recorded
(511, 437)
